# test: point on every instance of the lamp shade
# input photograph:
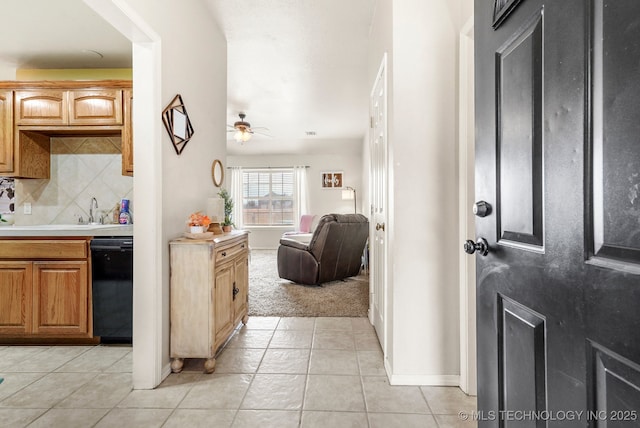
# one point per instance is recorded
(347, 195)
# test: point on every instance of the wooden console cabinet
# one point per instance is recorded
(209, 295)
(45, 288)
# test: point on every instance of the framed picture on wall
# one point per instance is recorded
(332, 180)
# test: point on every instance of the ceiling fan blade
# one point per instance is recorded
(262, 128)
(264, 134)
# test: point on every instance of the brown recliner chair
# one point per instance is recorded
(334, 252)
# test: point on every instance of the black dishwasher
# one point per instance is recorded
(112, 276)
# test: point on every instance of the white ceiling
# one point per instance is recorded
(59, 34)
(293, 65)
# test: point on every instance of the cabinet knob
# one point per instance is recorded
(236, 290)
(224, 254)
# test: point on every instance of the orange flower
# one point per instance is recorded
(199, 219)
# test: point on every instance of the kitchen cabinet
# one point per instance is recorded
(15, 297)
(60, 298)
(95, 107)
(209, 295)
(41, 107)
(33, 111)
(45, 288)
(6, 131)
(55, 107)
(127, 134)
(22, 154)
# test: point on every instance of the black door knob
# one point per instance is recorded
(482, 209)
(482, 247)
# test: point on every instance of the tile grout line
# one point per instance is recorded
(253, 376)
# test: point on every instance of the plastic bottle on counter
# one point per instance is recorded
(125, 216)
(116, 214)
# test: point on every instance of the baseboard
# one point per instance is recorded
(166, 371)
(264, 248)
(421, 380)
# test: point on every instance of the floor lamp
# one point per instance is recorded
(350, 193)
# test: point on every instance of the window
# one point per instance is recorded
(267, 197)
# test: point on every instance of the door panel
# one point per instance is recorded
(60, 298)
(521, 358)
(519, 152)
(558, 327)
(613, 209)
(616, 152)
(223, 304)
(6, 132)
(614, 387)
(15, 297)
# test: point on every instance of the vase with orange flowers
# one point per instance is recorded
(198, 222)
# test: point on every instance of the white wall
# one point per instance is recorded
(321, 201)
(7, 71)
(192, 53)
(423, 233)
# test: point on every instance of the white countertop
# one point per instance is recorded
(68, 230)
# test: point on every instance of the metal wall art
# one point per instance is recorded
(176, 121)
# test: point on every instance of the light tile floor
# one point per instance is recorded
(274, 372)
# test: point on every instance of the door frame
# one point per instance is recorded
(466, 191)
(149, 366)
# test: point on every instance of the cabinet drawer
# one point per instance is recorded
(229, 253)
(43, 249)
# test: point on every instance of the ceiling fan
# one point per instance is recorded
(243, 130)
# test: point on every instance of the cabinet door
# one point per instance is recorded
(127, 134)
(241, 282)
(223, 303)
(15, 298)
(6, 131)
(95, 107)
(60, 298)
(41, 107)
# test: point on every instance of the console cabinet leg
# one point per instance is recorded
(209, 365)
(176, 365)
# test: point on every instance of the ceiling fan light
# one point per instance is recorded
(242, 136)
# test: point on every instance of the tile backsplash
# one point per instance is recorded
(81, 169)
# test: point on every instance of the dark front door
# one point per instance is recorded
(558, 159)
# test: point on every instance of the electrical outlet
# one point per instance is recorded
(27, 208)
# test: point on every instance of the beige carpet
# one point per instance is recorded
(270, 295)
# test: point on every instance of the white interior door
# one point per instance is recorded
(379, 204)
(466, 171)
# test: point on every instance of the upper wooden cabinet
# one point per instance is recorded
(127, 134)
(73, 108)
(41, 107)
(31, 112)
(6, 131)
(96, 107)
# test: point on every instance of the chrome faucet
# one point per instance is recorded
(94, 201)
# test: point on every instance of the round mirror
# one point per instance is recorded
(217, 173)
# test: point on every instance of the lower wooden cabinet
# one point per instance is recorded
(16, 292)
(209, 295)
(45, 298)
(60, 298)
